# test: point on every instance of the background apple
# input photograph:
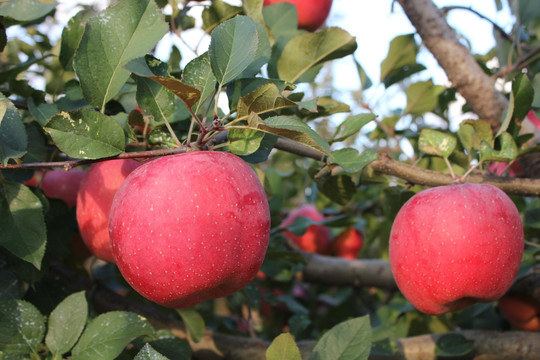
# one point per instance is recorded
(94, 201)
(347, 244)
(311, 13)
(452, 246)
(59, 184)
(190, 227)
(521, 311)
(316, 239)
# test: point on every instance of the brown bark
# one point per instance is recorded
(460, 66)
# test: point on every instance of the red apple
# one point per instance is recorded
(311, 13)
(94, 203)
(521, 311)
(59, 184)
(347, 244)
(190, 227)
(316, 239)
(452, 246)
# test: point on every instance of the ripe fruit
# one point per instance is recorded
(311, 13)
(521, 311)
(452, 246)
(190, 227)
(316, 239)
(348, 243)
(59, 184)
(94, 203)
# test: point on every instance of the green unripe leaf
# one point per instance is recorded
(437, 143)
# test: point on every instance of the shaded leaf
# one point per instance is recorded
(339, 188)
(348, 340)
(351, 160)
(401, 52)
(22, 327)
(453, 345)
(13, 137)
(472, 133)
(198, 73)
(263, 99)
(149, 353)
(194, 323)
(218, 12)
(508, 149)
(71, 35)
(351, 125)
(283, 348)
(437, 143)
(26, 10)
(244, 142)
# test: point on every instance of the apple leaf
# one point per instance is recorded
(351, 125)
(472, 133)
(66, 323)
(218, 12)
(242, 87)
(198, 74)
(262, 56)
(26, 10)
(245, 141)
(351, 160)
(13, 137)
(71, 36)
(437, 143)
(523, 96)
(453, 345)
(422, 97)
(401, 53)
(253, 9)
(23, 328)
(283, 348)
(121, 33)
(22, 223)
(508, 149)
(307, 50)
(194, 323)
(282, 19)
(363, 77)
(233, 47)
(348, 340)
(263, 99)
(338, 188)
(149, 353)
(107, 335)
(86, 134)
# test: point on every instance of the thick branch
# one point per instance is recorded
(460, 66)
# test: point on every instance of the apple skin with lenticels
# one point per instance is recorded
(94, 201)
(190, 227)
(59, 184)
(311, 13)
(452, 246)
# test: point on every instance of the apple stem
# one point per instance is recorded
(529, 243)
(471, 169)
(454, 177)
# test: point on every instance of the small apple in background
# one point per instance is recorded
(59, 184)
(311, 13)
(94, 201)
(347, 244)
(190, 227)
(452, 246)
(521, 311)
(316, 239)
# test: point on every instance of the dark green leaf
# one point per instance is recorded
(86, 134)
(121, 33)
(22, 327)
(398, 74)
(339, 188)
(198, 73)
(365, 81)
(43, 112)
(71, 36)
(22, 223)
(66, 323)
(218, 12)
(26, 10)
(194, 323)
(523, 96)
(402, 52)
(148, 353)
(437, 143)
(13, 138)
(283, 348)
(351, 125)
(262, 56)
(233, 47)
(263, 99)
(262, 153)
(349, 340)
(172, 347)
(107, 335)
(453, 345)
(307, 50)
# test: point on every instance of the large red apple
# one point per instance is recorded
(316, 239)
(347, 244)
(59, 184)
(311, 13)
(94, 201)
(521, 311)
(190, 227)
(452, 246)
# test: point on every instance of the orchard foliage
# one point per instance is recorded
(260, 91)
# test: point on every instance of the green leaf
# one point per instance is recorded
(398, 74)
(402, 52)
(218, 12)
(148, 353)
(12, 72)
(453, 345)
(263, 99)
(22, 223)
(472, 133)
(43, 112)
(262, 56)
(198, 74)
(307, 50)
(26, 10)
(242, 87)
(22, 327)
(107, 335)
(523, 96)
(338, 188)
(263, 152)
(282, 19)
(348, 340)
(536, 87)
(365, 81)
(194, 323)
(245, 141)
(86, 134)
(121, 33)
(253, 9)
(351, 160)
(508, 149)
(437, 143)
(283, 348)
(422, 97)
(233, 47)
(351, 125)
(13, 138)
(66, 323)
(71, 36)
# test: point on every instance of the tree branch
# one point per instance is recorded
(460, 66)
